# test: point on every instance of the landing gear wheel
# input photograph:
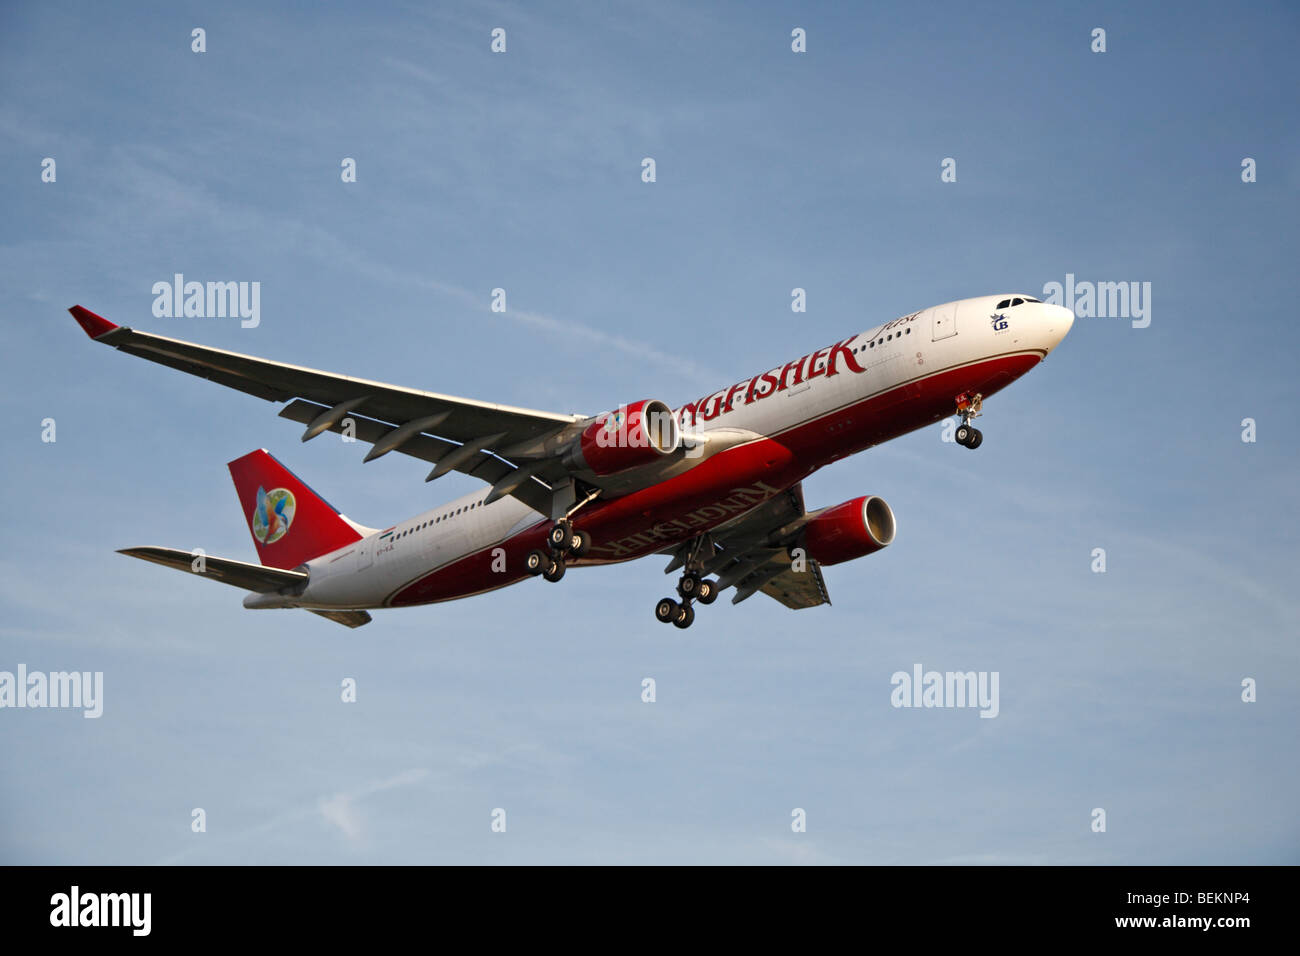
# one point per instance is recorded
(963, 435)
(554, 571)
(666, 610)
(707, 592)
(976, 439)
(560, 535)
(684, 617)
(689, 586)
(536, 561)
(579, 543)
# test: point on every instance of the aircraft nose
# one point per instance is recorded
(1058, 320)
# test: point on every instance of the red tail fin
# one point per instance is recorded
(291, 524)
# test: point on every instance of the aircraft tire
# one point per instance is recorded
(536, 561)
(708, 592)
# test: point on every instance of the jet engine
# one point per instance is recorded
(627, 437)
(858, 527)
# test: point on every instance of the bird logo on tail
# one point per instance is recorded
(272, 515)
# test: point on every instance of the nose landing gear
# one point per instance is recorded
(968, 408)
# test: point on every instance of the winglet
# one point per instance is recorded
(94, 325)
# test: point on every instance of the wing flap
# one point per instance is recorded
(346, 618)
(483, 465)
(798, 589)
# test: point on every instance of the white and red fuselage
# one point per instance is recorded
(760, 436)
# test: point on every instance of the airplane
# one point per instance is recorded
(715, 484)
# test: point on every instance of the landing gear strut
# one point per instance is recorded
(968, 408)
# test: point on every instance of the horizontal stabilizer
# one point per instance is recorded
(250, 577)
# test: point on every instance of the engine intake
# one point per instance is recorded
(630, 436)
(850, 530)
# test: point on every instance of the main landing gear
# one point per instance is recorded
(692, 586)
(563, 542)
(968, 408)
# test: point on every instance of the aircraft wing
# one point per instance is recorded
(751, 553)
(473, 437)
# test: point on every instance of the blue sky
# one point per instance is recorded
(774, 170)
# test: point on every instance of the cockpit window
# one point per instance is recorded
(1031, 299)
(1016, 302)
(1004, 304)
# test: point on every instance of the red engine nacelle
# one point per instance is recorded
(851, 530)
(628, 437)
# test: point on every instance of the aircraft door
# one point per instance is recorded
(943, 321)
